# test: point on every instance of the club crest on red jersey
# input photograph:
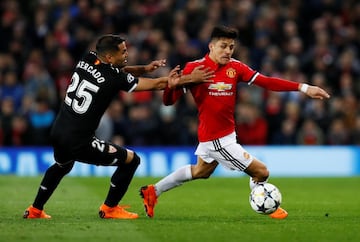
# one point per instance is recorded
(231, 72)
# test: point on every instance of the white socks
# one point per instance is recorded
(182, 175)
(174, 179)
(252, 184)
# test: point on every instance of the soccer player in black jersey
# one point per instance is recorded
(97, 78)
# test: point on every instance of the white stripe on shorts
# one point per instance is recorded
(236, 163)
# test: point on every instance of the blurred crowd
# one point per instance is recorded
(315, 41)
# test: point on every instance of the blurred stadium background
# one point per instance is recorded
(313, 41)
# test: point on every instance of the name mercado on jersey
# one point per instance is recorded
(92, 70)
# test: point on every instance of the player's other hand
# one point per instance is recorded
(317, 92)
(202, 74)
(155, 65)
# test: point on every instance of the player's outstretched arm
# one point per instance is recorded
(278, 84)
(198, 75)
(139, 70)
(159, 83)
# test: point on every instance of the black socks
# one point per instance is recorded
(120, 181)
(51, 180)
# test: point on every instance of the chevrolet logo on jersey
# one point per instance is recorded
(220, 86)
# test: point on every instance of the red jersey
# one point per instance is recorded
(216, 100)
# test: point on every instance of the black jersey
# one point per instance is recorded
(92, 88)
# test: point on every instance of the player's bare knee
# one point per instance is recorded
(259, 173)
(200, 173)
(263, 175)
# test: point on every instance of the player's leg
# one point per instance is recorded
(259, 174)
(150, 193)
(104, 153)
(50, 181)
(122, 176)
(119, 184)
(202, 170)
(233, 156)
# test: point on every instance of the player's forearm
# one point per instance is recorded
(161, 83)
(278, 84)
(183, 80)
(146, 84)
(186, 79)
(136, 70)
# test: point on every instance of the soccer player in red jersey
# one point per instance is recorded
(216, 105)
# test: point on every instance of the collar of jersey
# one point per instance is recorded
(210, 63)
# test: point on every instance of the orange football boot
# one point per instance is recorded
(32, 212)
(117, 212)
(279, 213)
(149, 199)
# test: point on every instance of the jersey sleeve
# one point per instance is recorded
(170, 96)
(126, 81)
(246, 73)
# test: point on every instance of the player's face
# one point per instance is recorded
(221, 50)
(119, 58)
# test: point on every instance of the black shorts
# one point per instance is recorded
(94, 152)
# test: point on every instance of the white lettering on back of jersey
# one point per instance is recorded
(93, 71)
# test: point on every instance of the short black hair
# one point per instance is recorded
(108, 43)
(224, 32)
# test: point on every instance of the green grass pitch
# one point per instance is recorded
(213, 210)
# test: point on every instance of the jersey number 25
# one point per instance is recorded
(83, 94)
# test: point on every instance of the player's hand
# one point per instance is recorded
(198, 75)
(174, 77)
(202, 74)
(316, 92)
(155, 65)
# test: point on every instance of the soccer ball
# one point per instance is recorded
(265, 198)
